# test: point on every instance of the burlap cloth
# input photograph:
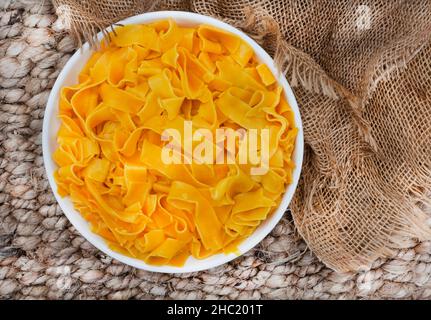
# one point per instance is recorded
(42, 256)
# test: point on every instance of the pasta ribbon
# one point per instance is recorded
(157, 77)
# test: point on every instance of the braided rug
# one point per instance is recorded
(43, 257)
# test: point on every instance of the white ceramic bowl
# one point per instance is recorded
(51, 123)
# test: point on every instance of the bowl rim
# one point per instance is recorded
(82, 226)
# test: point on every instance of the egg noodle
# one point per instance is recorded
(111, 156)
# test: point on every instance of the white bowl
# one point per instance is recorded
(69, 76)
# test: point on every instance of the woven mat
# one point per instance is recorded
(43, 256)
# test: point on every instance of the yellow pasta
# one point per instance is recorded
(155, 77)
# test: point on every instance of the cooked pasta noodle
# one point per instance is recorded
(154, 77)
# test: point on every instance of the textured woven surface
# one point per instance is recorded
(42, 256)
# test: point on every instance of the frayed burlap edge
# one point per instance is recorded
(86, 27)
